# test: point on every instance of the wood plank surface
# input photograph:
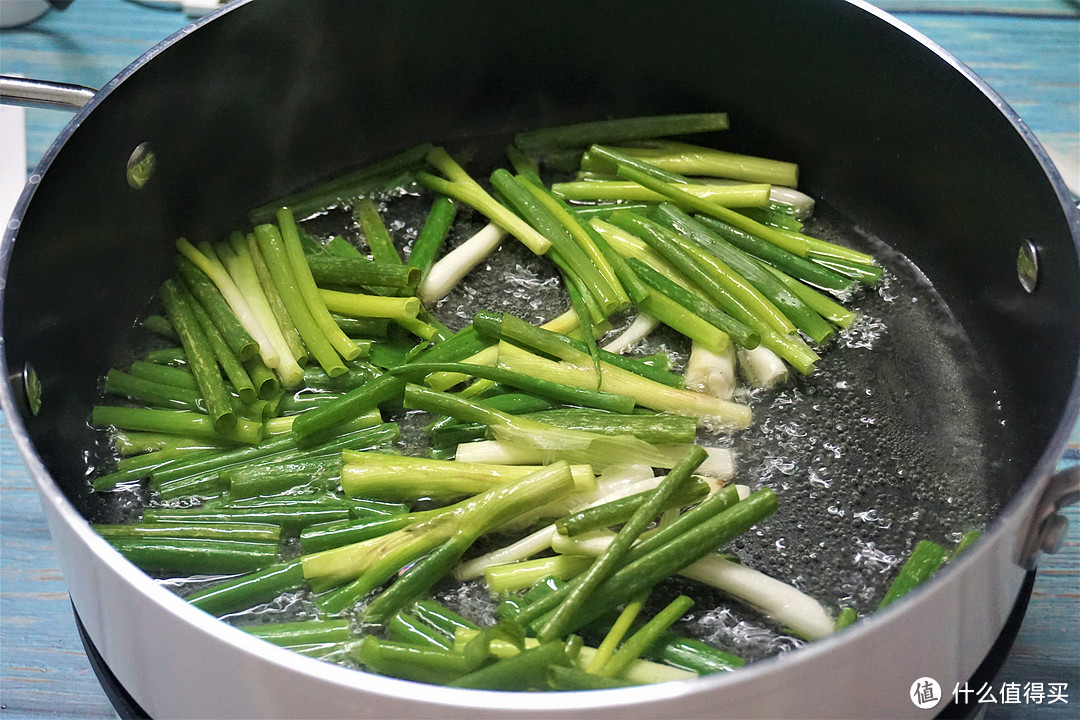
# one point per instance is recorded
(1028, 50)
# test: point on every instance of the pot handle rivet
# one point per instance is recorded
(141, 166)
(1027, 266)
(26, 388)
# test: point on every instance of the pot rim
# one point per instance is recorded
(1007, 520)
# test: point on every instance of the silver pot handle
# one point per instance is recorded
(42, 94)
(1047, 530)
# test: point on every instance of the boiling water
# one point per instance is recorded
(887, 443)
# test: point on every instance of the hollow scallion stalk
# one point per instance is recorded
(653, 428)
(359, 372)
(464, 343)
(249, 590)
(803, 245)
(573, 445)
(362, 327)
(581, 236)
(762, 367)
(452, 531)
(308, 290)
(732, 196)
(532, 544)
(245, 482)
(196, 555)
(822, 304)
(795, 610)
(692, 655)
(293, 514)
(640, 328)
(790, 304)
(375, 232)
(373, 306)
(616, 633)
(610, 160)
(259, 532)
(682, 318)
(419, 577)
(554, 391)
(863, 272)
(628, 245)
(713, 504)
(727, 289)
(790, 347)
(645, 569)
(280, 447)
(645, 392)
(616, 512)
(274, 251)
(166, 356)
(738, 330)
(618, 482)
(441, 618)
(153, 393)
(602, 210)
(211, 299)
(173, 397)
(357, 271)
(773, 215)
(267, 384)
(509, 327)
(141, 466)
(338, 533)
(645, 636)
(792, 242)
(711, 373)
(412, 662)
(620, 130)
(300, 632)
(229, 361)
(284, 321)
(565, 250)
(445, 274)
(160, 325)
(791, 263)
(696, 160)
(178, 422)
(563, 619)
(503, 579)
(200, 355)
(446, 380)
(180, 377)
(573, 678)
(131, 444)
(235, 299)
(238, 262)
(406, 628)
(344, 187)
(923, 562)
(432, 235)
(380, 475)
(524, 671)
(460, 186)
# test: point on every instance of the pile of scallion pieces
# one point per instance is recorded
(264, 427)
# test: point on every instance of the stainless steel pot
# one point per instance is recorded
(962, 189)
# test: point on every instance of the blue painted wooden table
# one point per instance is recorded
(1028, 50)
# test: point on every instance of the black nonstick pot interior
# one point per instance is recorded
(895, 142)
